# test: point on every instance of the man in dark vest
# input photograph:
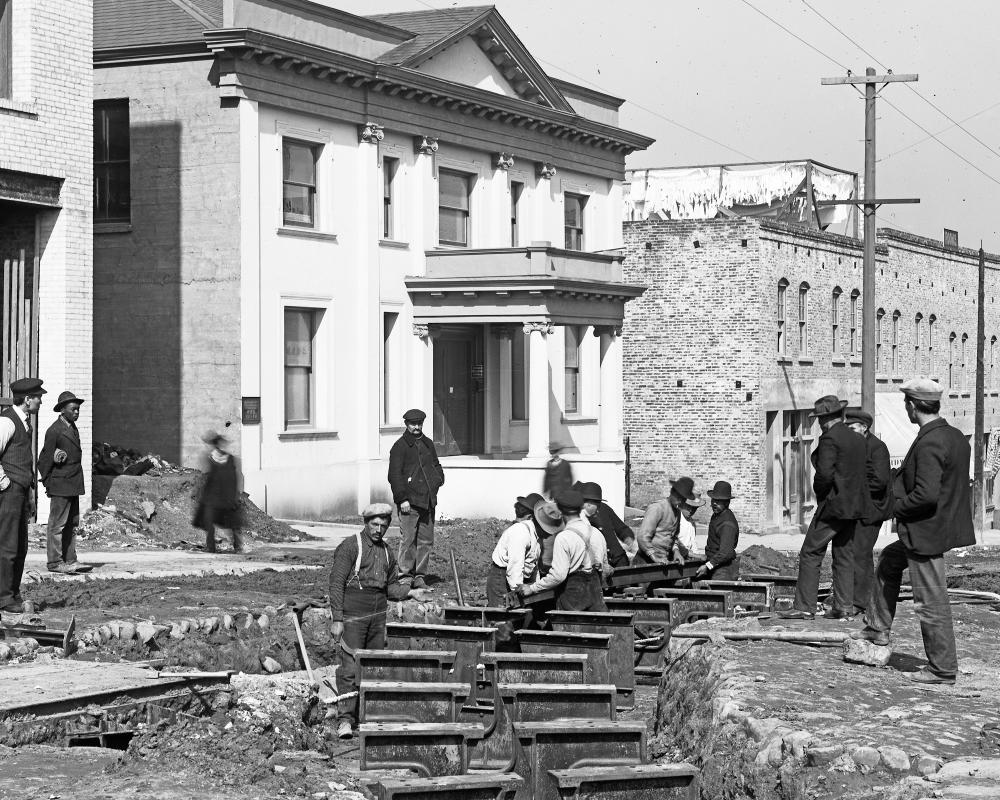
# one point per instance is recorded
(877, 475)
(415, 475)
(933, 511)
(60, 465)
(842, 498)
(603, 517)
(723, 535)
(17, 487)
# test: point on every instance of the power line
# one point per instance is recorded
(796, 36)
(943, 130)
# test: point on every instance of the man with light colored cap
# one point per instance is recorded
(933, 513)
(515, 558)
(415, 475)
(364, 577)
(60, 465)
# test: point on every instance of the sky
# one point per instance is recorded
(717, 82)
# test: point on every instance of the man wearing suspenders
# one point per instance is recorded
(363, 579)
(515, 557)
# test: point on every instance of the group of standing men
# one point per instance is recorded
(928, 495)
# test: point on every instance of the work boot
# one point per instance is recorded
(13, 607)
(344, 730)
(836, 613)
(880, 638)
(926, 676)
(796, 613)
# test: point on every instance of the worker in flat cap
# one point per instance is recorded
(17, 487)
(603, 517)
(933, 510)
(877, 476)
(515, 558)
(363, 578)
(660, 540)
(415, 475)
(721, 562)
(841, 500)
(60, 467)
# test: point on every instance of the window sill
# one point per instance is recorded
(28, 109)
(784, 360)
(386, 430)
(806, 361)
(952, 394)
(575, 419)
(393, 244)
(518, 423)
(855, 362)
(897, 379)
(838, 362)
(306, 233)
(882, 378)
(112, 227)
(308, 435)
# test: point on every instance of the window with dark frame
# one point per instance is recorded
(298, 179)
(112, 169)
(574, 205)
(389, 367)
(835, 320)
(895, 342)
(931, 325)
(918, 336)
(951, 360)
(6, 47)
(879, 365)
(516, 188)
(854, 321)
(301, 325)
(804, 320)
(782, 287)
(965, 371)
(572, 369)
(453, 208)
(518, 375)
(389, 168)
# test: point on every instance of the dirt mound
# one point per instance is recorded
(155, 510)
(764, 560)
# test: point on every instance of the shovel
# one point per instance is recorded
(326, 689)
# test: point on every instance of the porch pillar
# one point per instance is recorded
(609, 420)
(423, 380)
(538, 387)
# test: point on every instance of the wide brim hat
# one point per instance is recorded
(827, 406)
(66, 397)
(683, 487)
(549, 517)
(721, 491)
(213, 437)
(858, 414)
(590, 491)
(530, 500)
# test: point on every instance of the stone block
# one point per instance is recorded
(894, 758)
(821, 755)
(860, 651)
(929, 765)
(796, 743)
(760, 729)
(867, 758)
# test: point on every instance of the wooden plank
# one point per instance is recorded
(844, 79)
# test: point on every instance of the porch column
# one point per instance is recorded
(609, 420)
(423, 379)
(538, 387)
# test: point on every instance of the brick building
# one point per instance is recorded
(746, 322)
(46, 186)
(320, 220)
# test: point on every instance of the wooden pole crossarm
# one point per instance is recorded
(845, 79)
(874, 202)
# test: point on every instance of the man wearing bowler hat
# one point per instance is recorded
(415, 475)
(659, 534)
(603, 518)
(842, 499)
(723, 535)
(17, 487)
(877, 476)
(933, 511)
(515, 557)
(60, 465)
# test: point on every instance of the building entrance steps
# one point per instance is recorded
(621, 656)
(431, 749)
(651, 573)
(537, 702)
(483, 786)
(486, 616)
(651, 623)
(596, 646)
(746, 594)
(406, 665)
(422, 701)
(541, 747)
(691, 604)
(467, 642)
(639, 782)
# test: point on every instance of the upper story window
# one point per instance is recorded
(855, 344)
(574, 205)
(298, 198)
(6, 46)
(516, 190)
(835, 320)
(993, 362)
(918, 336)
(895, 342)
(454, 191)
(879, 364)
(965, 371)
(931, 336)
(572, 367)
(390, 166)
(804, 319)
(112, 192)
(952, 338)
(782, 292)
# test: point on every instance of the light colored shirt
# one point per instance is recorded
(569, 555)
(686, 533)
(658, 531)
(6, 434)
(517, 551)
(597, 547)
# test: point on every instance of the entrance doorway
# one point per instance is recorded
(791, 477)
(459, 378)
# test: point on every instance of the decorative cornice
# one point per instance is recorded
(421, 330)
(504, 161)
(372, 133)
(544, 327)
(614, 331)
(425, 145)
(545, 170)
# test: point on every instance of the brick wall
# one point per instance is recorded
(167, 292)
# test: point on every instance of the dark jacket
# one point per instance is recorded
(839, 478)
(931, 488)
(378, 573)
(558, 477)
(65, 479)
(415, 474)
(218, 500)
(18, 457)
(720, 549)
(612, 526)
(878, 475)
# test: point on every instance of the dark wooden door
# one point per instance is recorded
(458, 390)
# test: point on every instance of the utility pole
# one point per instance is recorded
(978, 482)
(870, 80)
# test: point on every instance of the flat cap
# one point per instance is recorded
(26, 386)
(377, 510)
(858, 414)
(922, 389)
(414, 415)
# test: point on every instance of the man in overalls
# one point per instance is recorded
(363, 579)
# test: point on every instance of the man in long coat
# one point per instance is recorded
(721, 562)
(60, 466)
(934, 514)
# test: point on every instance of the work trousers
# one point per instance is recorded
(64, 516)
(576, 593)
(13, 540)
(364, 629)
(417, 532)
(930, 602)
(822, 532)
(496, 586)
(864, 565)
